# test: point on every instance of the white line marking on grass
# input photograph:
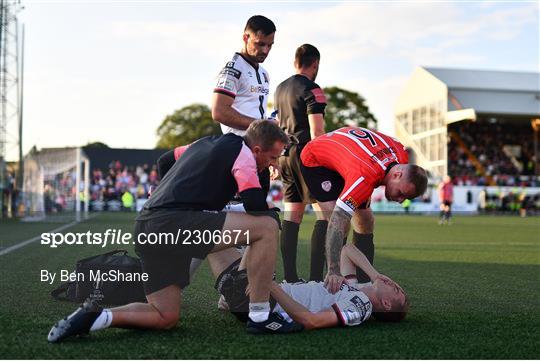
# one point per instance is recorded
(36, 238)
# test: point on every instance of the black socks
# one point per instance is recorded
(289, 244)
(364, 242)
(318, 240)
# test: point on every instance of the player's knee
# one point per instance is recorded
(295, 217)
(273, 226)
(269, 228)
(347, 247)
(369, 218)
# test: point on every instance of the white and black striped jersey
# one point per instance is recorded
(249, 84)
(351, 305)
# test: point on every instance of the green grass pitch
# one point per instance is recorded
(474, 288)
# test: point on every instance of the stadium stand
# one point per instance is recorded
(477, 126)
(121, 174)
(491, 151)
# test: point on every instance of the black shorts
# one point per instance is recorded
(168, 263)
(295, 189)
(232, 284)
(324, 184)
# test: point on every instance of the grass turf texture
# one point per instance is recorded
(474, 288)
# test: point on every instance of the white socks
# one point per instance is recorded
(103, 321)
(259, 311)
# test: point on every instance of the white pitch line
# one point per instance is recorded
(36, 238)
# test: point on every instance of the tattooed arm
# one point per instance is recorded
(337, 226)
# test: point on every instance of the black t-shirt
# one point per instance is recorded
(207, 176)
(295, 99)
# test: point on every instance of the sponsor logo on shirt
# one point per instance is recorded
(231, 71)
(260, 89)
(230, 64)
(225, 84)
(351, 202)
(361, 306)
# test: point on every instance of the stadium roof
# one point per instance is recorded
(487, 79)
(102, 157)
(491, 92)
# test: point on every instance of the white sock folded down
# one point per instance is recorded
(259, 311)
(103, 321)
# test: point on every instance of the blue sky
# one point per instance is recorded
(111, 71)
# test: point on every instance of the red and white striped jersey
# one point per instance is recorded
(361, 157)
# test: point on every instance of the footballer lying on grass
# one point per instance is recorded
(310, 304)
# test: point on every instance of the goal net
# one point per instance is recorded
(55, 185)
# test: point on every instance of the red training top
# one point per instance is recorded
(362, 158)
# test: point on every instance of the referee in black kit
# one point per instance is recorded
(300, 103)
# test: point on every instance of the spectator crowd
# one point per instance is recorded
(122, 183)
(487, 141)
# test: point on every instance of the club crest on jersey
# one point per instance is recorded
(265, 77)
(326, 186)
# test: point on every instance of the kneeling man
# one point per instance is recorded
(188, 201)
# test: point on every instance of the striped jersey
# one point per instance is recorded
(248, 84)
(351, 305)
(362, 158)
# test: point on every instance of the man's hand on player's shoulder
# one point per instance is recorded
(333, 281)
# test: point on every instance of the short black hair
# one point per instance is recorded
(306, 55)
(260, 23)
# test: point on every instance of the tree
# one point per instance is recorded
(186, 125)
(346, 108)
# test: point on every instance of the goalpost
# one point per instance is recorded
(56, 185)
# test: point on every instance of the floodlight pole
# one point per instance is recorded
(86, 186)
(20, 171)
